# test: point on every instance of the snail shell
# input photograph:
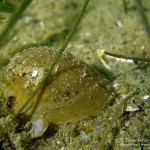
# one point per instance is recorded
(73, 91)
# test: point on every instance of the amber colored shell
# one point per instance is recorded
(73, 91)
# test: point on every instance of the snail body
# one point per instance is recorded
(74, 90)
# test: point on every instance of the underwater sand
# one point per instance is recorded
(105, 26)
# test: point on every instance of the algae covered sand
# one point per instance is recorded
(105, 26)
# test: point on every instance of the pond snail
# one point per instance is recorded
(73, 91)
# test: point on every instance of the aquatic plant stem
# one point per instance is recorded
(14, 19)
(56, 59)
(143, 16)
(125, 6)
(115, 117)
(128, 57)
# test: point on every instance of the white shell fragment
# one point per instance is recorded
(132, 109)
(38, 128)
(83, 135)
(34, 73)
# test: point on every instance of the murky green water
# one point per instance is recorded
(105, 26)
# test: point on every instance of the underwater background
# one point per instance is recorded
(105, 26)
